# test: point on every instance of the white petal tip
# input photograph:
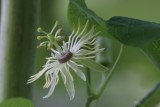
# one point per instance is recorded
(84, 79)
(103, 49)
(71, 98)
(28, 83)
(45, 96)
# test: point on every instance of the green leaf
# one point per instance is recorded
(92, 65)
(17, 102)
(133, 32)
(77, 9)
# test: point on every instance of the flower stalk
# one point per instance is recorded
(104, 82)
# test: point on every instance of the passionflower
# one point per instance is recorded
(74, 54)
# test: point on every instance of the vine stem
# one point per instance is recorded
(104, 82)
(88, 82)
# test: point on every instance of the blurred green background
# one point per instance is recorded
(135, 74)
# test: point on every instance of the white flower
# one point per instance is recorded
(74, 54)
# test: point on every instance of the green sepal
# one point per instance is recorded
(92, 65)
(69, 84)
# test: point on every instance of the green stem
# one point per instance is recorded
(20, 19)
(109, 76)
(88, 82)
(89, 100)
(151, 99)
(104, 83)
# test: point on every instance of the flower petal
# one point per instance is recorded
(69, 84)
(52, 85)
(92, 65)
(77, 70)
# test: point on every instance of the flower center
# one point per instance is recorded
(66, 56)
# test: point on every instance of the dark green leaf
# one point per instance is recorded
(133, 32)
(152, 50)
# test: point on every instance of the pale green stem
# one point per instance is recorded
(44, 32)
(20, 19)
(54, 27)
